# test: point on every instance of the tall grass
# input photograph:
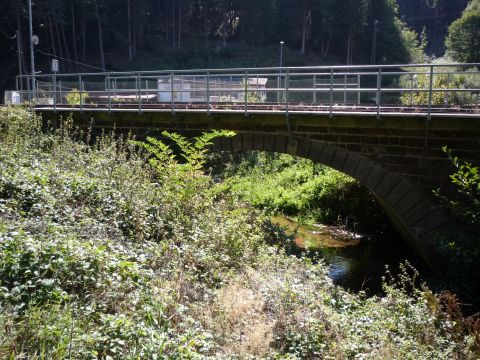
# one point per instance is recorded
(100, 258)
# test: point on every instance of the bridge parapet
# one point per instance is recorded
(378, 90)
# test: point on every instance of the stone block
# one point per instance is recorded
(375, 177)
(363, 170)
(247, 142)
(281, 144)
(316, 151)
(419, 212)
(432, 222)
(339, 159)
(389, 181)
(269, 142)
(326, 157)
(401, 189)
(237, 143)
(258, 141)
(407, 203)
(304, 146)
(351, 163)
(292, 146)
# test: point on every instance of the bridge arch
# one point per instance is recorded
(420, 222)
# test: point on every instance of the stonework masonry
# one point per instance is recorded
(398, 158)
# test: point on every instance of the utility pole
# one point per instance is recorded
(374, 42)
(32, 56)
(19, 53)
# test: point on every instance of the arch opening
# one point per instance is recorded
(415, 217)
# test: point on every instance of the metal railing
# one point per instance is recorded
(419, 89)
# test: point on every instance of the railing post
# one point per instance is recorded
(412, 84)
(246, 93)
(60, 91)
(430, 94)
(139, 93)
(172, 94)
(80, 89)
(54, 82)
(109, 94)
(379, 91)
(287, 93)
(447, 94)
(359, 87)
(345, 79)
(314, 89)
(208, 93)
(331, 92)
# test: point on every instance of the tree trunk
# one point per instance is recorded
(74, 34)
(174, 35)
(84, 40)
(130, 42)
(304, 35)
(59, 42)
(349, 43)
(225, 21)
(65, 46)
(179, 41)
(100, 35)
(52, 37)
(21, 65)
(326, 47)
(206, 23)
(304, 27)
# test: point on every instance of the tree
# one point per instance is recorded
(463, 40)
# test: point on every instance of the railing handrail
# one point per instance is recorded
(274, 69)
(297, 88)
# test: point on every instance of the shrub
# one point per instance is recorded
(75, 97)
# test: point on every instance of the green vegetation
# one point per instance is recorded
(463, 40)
(279, 183)
(103, 256)
(463, 252)
(463, 79)
(75, 97)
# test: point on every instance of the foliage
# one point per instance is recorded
(295, 187)
(463, 40)
(100, 258)
(463, 249)
(461, 79)
(75, 97)
(466, 178)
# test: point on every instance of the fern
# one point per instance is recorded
(192, 151)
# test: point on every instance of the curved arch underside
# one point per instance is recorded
(422, 224)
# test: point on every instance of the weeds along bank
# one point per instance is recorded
(280, 183)
(103, 256)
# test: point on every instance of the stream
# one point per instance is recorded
(355, 262)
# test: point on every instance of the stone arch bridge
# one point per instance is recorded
(390, 141)
(399, 159)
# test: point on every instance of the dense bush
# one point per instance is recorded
(103, 257)
(300, 188)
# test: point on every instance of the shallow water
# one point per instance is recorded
(355, 262)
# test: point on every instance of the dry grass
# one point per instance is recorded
(239, 318)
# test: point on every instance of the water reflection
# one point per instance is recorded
(355, 262)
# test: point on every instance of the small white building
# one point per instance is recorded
(12, 98)
(194, 89)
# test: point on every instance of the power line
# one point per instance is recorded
(71, 61)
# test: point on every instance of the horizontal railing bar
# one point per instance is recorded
(279, 69)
